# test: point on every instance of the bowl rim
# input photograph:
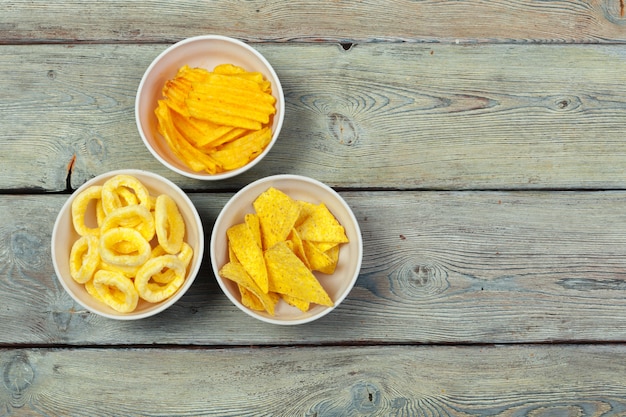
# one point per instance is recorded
(191, 276)
(269, 179)
(276, 88)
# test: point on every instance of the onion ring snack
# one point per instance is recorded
(185, 255)
(116, 290)
(154, 291)
(135, 216)
(91, 290)
(84, 258)
(170, 226)
(136, 256)
(136, 252)
(113, 198)
(79, 208)
(129, 271)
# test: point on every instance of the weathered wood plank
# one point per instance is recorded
(382, 381)
(378, 115)
(305, 20)
(439, 267)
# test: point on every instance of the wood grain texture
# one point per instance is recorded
(376, 116)
(583, 21)
(567, 380)
(479, 143)
(438, 267)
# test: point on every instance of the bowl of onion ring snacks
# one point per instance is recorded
(127, 244)
(209, 107)
(286, 249)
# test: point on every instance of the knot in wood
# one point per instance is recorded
(18, 375)
(422, 275)
(614, 11)
(343, 129)
(411, 281)
(566, 104)
(366, 397)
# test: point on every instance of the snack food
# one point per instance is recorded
(268, 256)
(216, 121)
(121, 260)
(116, 290)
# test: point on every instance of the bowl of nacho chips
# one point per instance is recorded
(286, 249)
(209, 107)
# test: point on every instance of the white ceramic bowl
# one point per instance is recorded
(64, 235)
(206, 52)
(337, 285)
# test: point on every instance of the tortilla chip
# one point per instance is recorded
(289, 275)
(252, 220)
(325, 246)
(250, 300)
(318, 260)
(298, 247)
(322, 226)
(237, 273)
(306, 209)
(333, 254)
(231, 255)
(301, 305)
(277, 214)
(249, 254)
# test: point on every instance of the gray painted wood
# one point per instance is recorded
(480, 145)
(339, 381)
(499, 21)
(377, 116)
(438, 267)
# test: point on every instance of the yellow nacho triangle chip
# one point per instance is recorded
(322, 226)
(289, 275)
(249, 254)
(306, 209)
(320, 260)
(250, 300)
(301, 305)
(237, 273)
(333, 254)
(288, 239)
(277, 214)
(231, 255)
(325, 246)
(252, 220)
(298, 246)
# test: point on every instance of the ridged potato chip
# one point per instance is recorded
(216, 121)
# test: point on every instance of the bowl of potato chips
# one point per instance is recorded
(209, 107)
(127, 244)
(286, 249)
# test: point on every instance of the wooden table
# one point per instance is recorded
(481, 145)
